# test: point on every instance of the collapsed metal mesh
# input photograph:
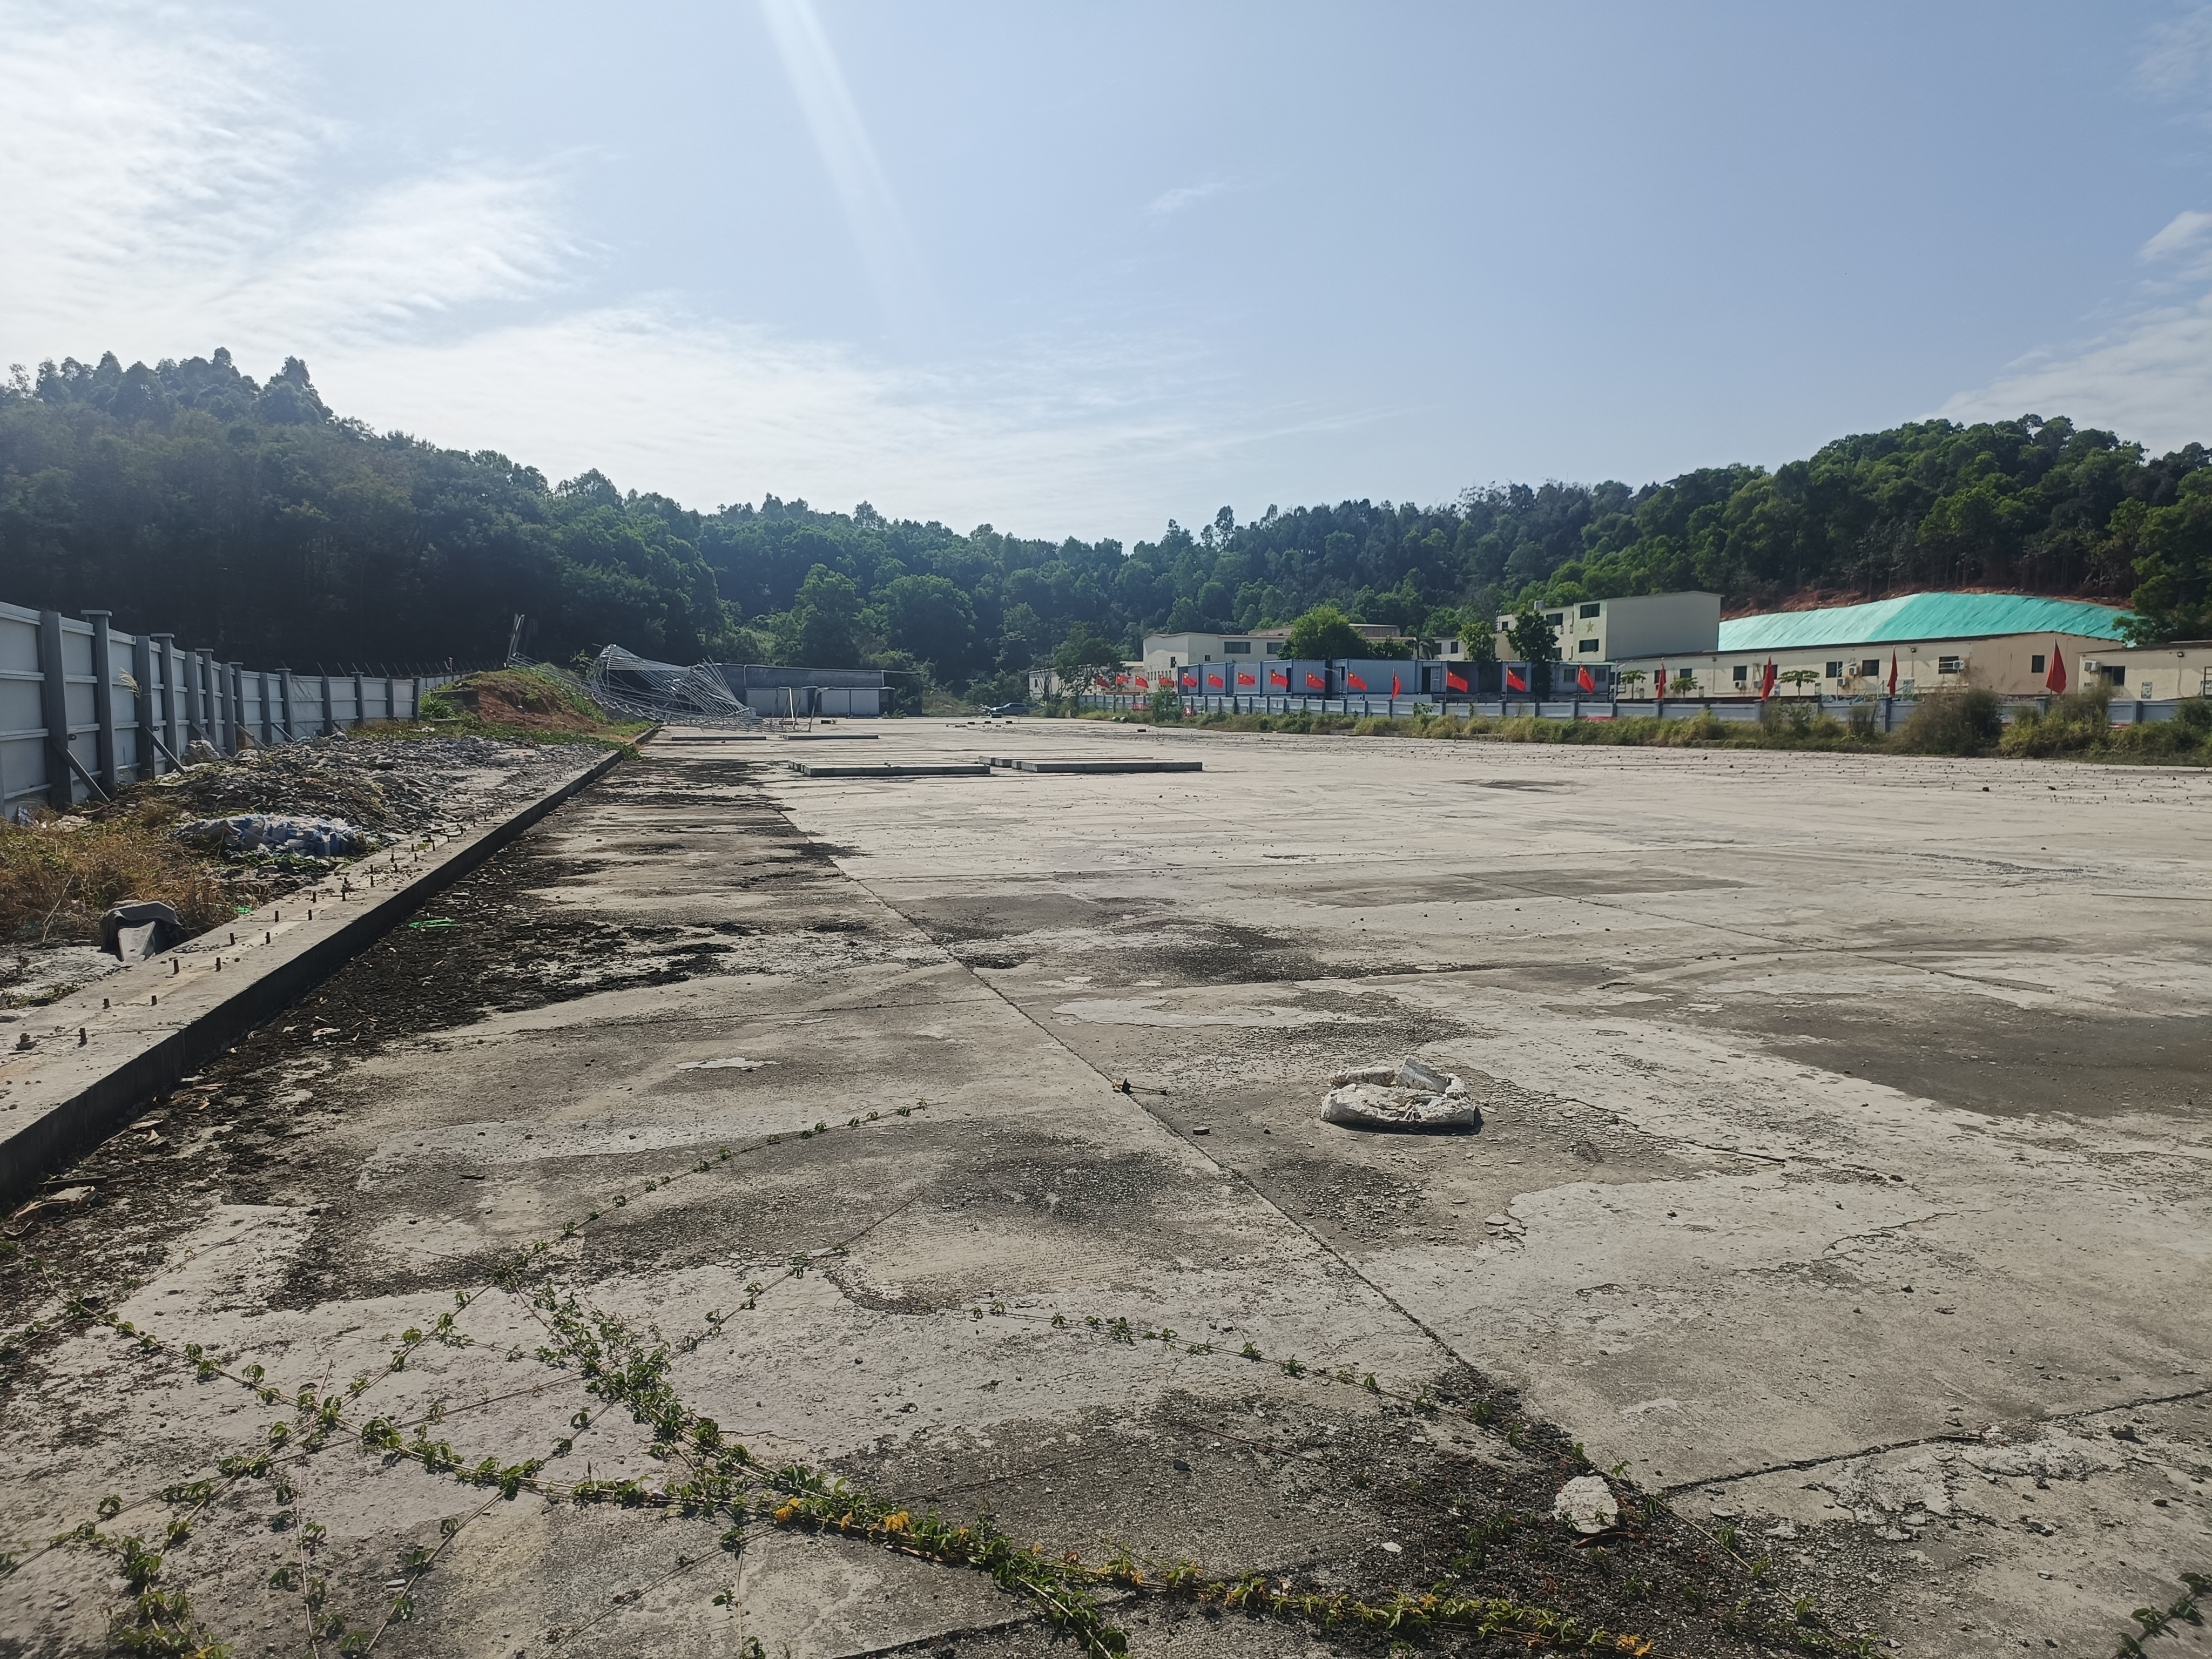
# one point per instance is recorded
(623, 682)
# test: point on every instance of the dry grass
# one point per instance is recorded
(58, 874)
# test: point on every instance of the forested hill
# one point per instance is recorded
(247, 517)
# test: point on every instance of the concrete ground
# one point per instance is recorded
(1841, 1179)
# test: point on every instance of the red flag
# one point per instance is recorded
(1455, 682)
(1395, 688)
(1142, 681)
(2055, 679)
(1244, 678)
(1582, 679)
(1120, 679)
(1279, 676)
(1767, 681)
(1214, 680)
(1893, 673)
(1191, 680)
(1354, 680)
(1314, 682)
(1514, 682)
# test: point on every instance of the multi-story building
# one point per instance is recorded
(1615, 630)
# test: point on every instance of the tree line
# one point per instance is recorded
(247, 517)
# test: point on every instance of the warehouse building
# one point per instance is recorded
(2005, 642)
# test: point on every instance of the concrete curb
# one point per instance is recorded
(145, 1027)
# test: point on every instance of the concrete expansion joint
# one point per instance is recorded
(1238, 1175)
(1880, 1448)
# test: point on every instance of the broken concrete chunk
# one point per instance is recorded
(1367, 1106)
(1587, 1504)
(1384, 1073)
(1404, 1095)
(1411, 1074)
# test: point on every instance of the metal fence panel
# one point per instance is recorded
(86, 708)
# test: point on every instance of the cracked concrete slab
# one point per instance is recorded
(1848, 1189)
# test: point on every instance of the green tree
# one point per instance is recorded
(1323, 632)
(826, 630)
(1799, 677)
(1535, 643)
(932, 621)
(2172, 598)
(1084, 654)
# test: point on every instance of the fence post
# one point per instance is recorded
(206, 684)
(329, 713)
(291, 716)
(172, 713)
(415, 700)
(103, 697)
(360, 699)
(236, 673)
(142, 669)
(220, 670)
(61, 788)
(391, 698)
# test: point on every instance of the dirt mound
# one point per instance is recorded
(524, 701)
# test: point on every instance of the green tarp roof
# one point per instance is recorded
(1921, 616)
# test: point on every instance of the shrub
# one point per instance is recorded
(2075, 724)
(1954, 723)
(59, 873)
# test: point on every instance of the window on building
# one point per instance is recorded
(1237, 648)
(1743, 674)
(1274, 648)
(1949, 664)
(2035, 663)
(1588, 647)
(1834, 670)
(1555, 618)
(1870, 665)
(1591, 609)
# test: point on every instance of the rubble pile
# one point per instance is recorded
(270, 832)
(1405, 1095)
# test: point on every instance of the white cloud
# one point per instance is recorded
(1045, 444)
(2178, 55)
(2187, 233)
(2149, 380)
(1183, 196)
(169, 189)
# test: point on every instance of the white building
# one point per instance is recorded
(1617, 630)
(2181, 668)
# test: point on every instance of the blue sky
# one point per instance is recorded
(1076, 270)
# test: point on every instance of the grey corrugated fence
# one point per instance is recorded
(86, 708)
